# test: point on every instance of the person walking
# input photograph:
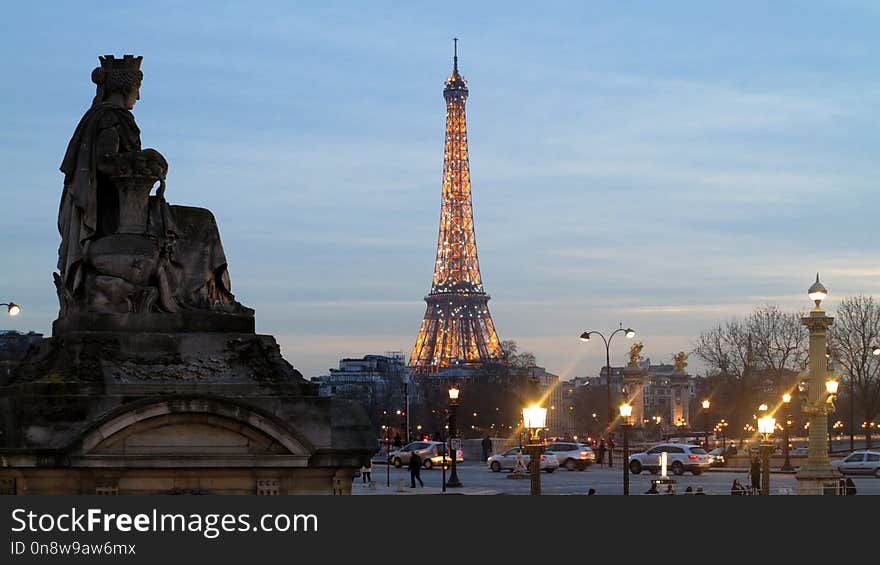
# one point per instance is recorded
(755, 475)
(398, 442)
(366, 472)
(850, 487)
(601, 450)
(591, 492)
(415, 469)
(653, 489)
(737, 489)
(611, 446)
(487, 447)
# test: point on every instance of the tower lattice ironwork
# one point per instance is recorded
(457, 328)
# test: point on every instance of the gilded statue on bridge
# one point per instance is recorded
(680, 359)
(635, 354)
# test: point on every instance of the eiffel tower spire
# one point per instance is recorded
(457, 327)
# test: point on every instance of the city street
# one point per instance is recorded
(605, 480)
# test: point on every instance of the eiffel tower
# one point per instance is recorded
(457, 328)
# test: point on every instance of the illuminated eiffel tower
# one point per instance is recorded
(457, 328)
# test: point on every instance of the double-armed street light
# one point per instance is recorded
(586, 336)
(12, 308)
(534, 419)
(626, 422)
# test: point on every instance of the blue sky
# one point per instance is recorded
(667, 165)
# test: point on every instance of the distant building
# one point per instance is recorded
(379, 383)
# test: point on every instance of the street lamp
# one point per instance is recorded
(626, 410)
(534, 418)
(706, 404)
(766, 425)
(453, 481)
(12, 308)
(629, 333)
(786, 466)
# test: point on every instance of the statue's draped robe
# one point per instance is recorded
(192, 255)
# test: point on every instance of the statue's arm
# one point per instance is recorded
(111, 162)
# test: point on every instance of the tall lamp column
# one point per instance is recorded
(452, 451)
(534, 418)
(625, 423)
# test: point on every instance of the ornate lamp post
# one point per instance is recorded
(626, 423)
(12, 308)
(706, 405)
(817, 476)
(534, 418)
(766, 425)
(786, 465)
(629, 333)
(452, 451)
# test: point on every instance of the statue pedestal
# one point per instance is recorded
(818, 481)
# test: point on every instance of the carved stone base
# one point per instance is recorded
(818, 481)
(184, 321)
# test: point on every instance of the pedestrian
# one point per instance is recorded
(366, 469)
(689, 490)
(736, 488)
(653, 489)
(398, 443)
(850, 487)
(755, 475)
(670, 489)
(611, 451)
(591, 492)
(487, 447)
(415, 469)
(602, 451)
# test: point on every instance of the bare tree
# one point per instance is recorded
(852, 337)
(780, 343)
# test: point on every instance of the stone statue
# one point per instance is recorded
(635, 354)
(122, 249)
(680, 359)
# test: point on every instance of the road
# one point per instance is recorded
(604, 479)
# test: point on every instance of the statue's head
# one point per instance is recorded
(120, 77)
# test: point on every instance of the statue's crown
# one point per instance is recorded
(128, 63)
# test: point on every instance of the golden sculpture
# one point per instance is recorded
(635, 354)
(681, 361)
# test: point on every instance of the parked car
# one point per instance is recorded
(680, 457)
(571, 455)
(432, 453)
(859, 463)
(507, 460)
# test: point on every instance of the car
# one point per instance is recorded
(680, 457)
(717, 457)
(571, 455)
(859, 463)
(507, 460)
(432, 453)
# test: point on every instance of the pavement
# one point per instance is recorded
(400, 488)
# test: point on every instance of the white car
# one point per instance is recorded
(680, 457)
(571, 455)
(507, 460)
(859, 463)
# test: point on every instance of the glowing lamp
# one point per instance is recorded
(831, 386)
(706, 405)
(630, 333)
(453, 393)
(585, 336)
(626, 410)
(534, 417)
(817, 292)
(766, 425)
